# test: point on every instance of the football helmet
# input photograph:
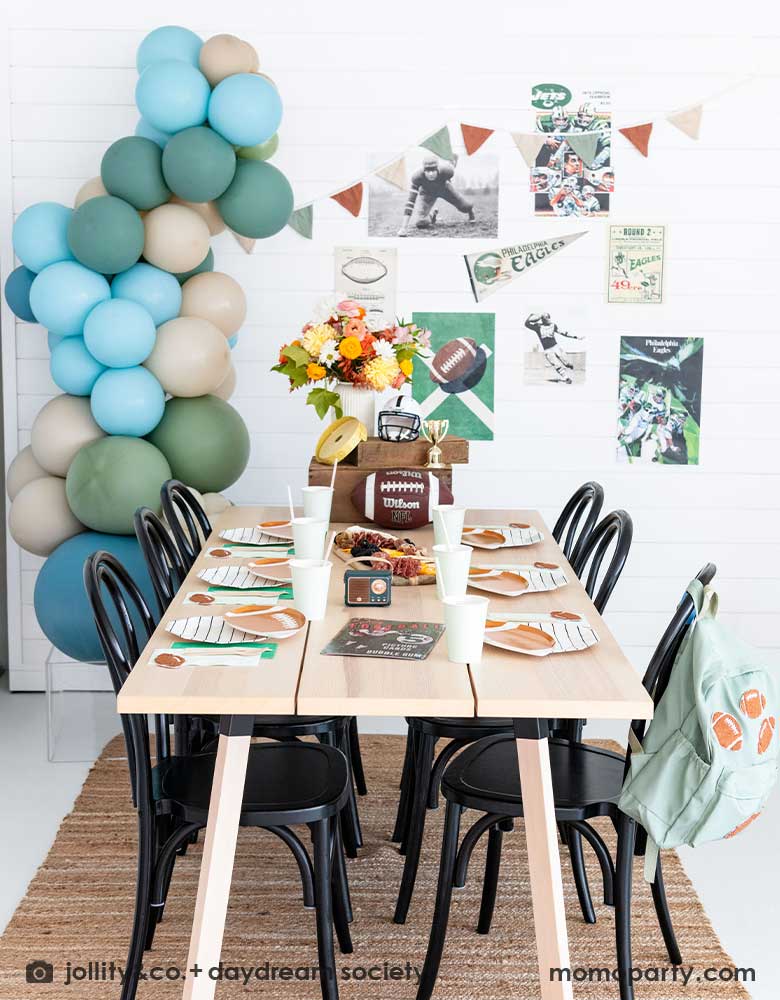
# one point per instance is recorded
(558, 116)
(399, 419)
(585, 115)
(570, 184)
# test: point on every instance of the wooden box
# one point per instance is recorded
(378, 454)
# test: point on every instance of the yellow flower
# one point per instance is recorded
(407, 367)
(381, 372)
(315, 337)
(350, 347)
(315, 372)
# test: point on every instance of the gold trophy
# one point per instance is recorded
(435, 431)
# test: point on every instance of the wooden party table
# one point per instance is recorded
(596, 683)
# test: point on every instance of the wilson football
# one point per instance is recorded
(455, 360)
(400, 498)
(364, 270)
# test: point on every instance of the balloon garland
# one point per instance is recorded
(140, 325)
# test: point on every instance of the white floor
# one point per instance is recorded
(738, 881)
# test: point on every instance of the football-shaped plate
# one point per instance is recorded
(270, 622)
(401, 499)
(271, 568)
(500, 536)
(237, 578)
(512, 581)
(209, 630)
(250, 536)
(540, 634)
(277, 529)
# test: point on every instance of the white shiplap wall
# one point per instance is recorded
(357, 79)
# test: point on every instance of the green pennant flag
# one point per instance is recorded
(584, 145)
(439, 143)
(302, 221)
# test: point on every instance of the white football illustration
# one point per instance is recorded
(455, 360)
(364, 270)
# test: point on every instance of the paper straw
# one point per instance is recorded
(330, 545)
(333, 474)
(289, 497)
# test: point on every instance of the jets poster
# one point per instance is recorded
(636, 264)
(659, 400)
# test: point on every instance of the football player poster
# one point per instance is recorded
(659, 400)
(369, 276)
(573, 174)
(443, 198)
(553, 352)
(636, 264)
(456, 381)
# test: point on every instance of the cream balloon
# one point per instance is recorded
(215, 503)
(93, 188)
(22, 470)
(177, 238)
(62, 428)
(191, 356)
(224, 55)
(207, 210)
(227, 386)
(216, 297)
(40, 518)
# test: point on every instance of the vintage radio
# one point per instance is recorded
(367, 586)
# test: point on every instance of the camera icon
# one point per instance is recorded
(39, 971)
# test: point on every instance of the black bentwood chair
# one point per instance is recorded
(587, 782)
(589, 497)
(286, 784)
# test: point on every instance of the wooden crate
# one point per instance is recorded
(378, 454)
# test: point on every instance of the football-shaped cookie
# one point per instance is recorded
(400, 498)
(364, 270)
(455, 360)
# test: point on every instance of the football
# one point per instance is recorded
(364, 270)
(455, 360)
(400, 498)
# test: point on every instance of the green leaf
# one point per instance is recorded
(296, 373)
(322, 400)
(297, 354)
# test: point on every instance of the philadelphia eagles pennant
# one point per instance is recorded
(491, 270)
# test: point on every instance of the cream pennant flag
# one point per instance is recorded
(491, 270)
(529, 144)
(688, 120)
(246, 243)
(584, 145)
(394, 173)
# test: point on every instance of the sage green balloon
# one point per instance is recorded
(106, 234)
(198, 165)
(207, 264)
(259, 202)
(204, 440)
(110, 478)
(263, 151)
(132, 169)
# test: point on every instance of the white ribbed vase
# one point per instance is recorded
(358, 403)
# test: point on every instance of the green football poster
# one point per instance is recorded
(456, 382)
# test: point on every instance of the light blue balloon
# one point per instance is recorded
(168, 42)
(147, 131)
(172, 95)
(156, 290)
(53, 339)
(245, 109)
(232, 341)
(40, 235)
(119, 333)
(73, 368)
(127, 401)
(64, 294)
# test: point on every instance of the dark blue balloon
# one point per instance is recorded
(17, 293)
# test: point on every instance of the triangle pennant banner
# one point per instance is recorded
(439, 143)
(302, 221)
(584, 145)
(638, 136)
(529, 144)
(351, 198)
(491, 270)
(688, 120)
(474, 137)
(394, 173)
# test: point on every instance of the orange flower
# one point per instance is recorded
(350, 347)
(355, 328)
(315, 372)
(407, 367)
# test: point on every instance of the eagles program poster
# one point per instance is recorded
(659, 401)
(456, 381)
(369, 275)
(636, 264)
(573, 173)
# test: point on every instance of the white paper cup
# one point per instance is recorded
(465, 619)
(309, 537)
(311, 580)
(452, 569)
(317, 501)
(451, 516)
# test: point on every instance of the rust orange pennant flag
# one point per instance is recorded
(638, 136)
(474, 137)
(351, 198)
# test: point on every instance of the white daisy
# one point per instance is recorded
(325, 308)
(329, 352)
(384, 350)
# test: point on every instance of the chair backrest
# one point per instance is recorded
(186, 518)
(617, 528)
(589, 497)
(161, 554)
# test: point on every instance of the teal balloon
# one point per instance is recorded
(52, 339)
(61, 605)
(106, 234)
(40, 235)
(147, 131)
(204, 440)
(245, 109)
(127, 401)
(73, 368)
(198, 165)
(168, 42)
(64, 294)
(207, 264)
(17, 293)
(156, 290)
(110, 478)
(131, 169)
(172, 95)
(119, 333)
(259, 202)
(263, 151)
(232, 341)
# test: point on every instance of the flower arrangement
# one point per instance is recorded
(339, 346)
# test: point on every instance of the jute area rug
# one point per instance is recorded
(78, 909)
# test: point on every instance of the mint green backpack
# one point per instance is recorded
(709, 758)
